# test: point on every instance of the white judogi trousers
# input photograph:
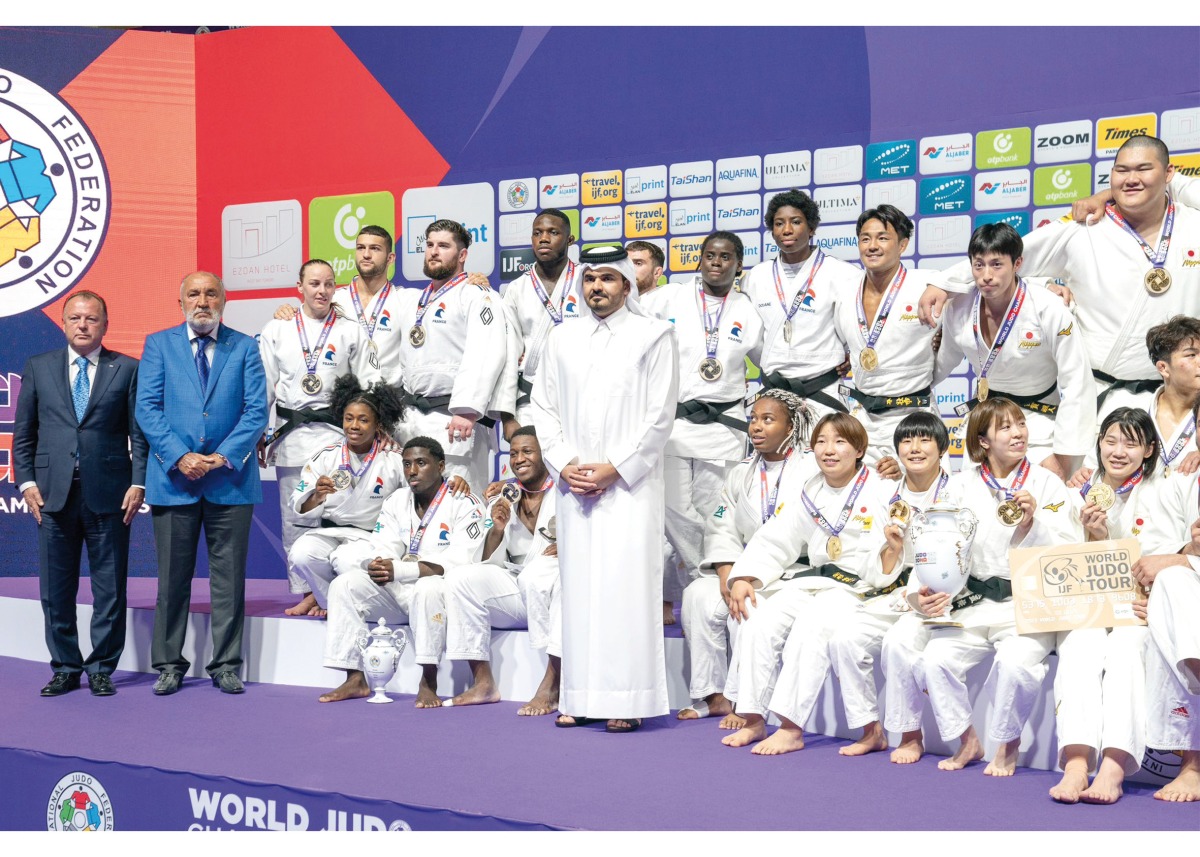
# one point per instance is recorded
(356, 602)
(711, 634)
(1172, 693)
(471, 459)
(1019, 669)
(692, 488)
(484, 596)
(853, 650)
(292, 525)
(310, 558)
(902, 649)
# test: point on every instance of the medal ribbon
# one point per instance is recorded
(1157, 257)
(1018, 483)
(555, 312)
(800, 293)
(943, 478)
(415, 541)
(1010, 319)
(311, 357)
(819, 519)
(884, 308)
(1126, 486)
(546, 485)
(426, 300)
(711, 334)
(1184, 438)
(768, 499)
(380, 300)
(366, 462)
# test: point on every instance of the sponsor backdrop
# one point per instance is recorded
(128, 159)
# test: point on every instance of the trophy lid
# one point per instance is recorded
(381, 630)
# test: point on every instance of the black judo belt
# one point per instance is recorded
(524, 391)
(1030, 403)
(834, 572)
(813, 388)
(880, 404)
(993, 589)
(703, 413)
(1140, 386)
(293, 419)
(327, 524)
(429, 404)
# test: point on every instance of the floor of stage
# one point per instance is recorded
(486, 761)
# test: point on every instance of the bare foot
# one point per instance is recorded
(1070, 787)
(786, 739)
(476, 694)
(1004, 763)
(354, 687)
(1108, 786)
(718, 706)
(755, 729)
(668, 613)
(970, 750)
(427, 698)
(732, 721)
(304, 608)
(911, 749)
(1185, 787)
(872, 741)
(318, 612)
(545, 700)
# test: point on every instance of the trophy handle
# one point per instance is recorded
(916, 526)
(967, 522)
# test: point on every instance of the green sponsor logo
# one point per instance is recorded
(1062, 184)
(334, 223)
(1007, 147)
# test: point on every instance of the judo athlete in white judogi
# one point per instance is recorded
(754, 490)
(516, 583)
(842, 522)
(302, 358)
(1017, 504)
(891, 352)
(716, 329)
(534, 304)
(1100, 686)
(342, 488)
(1170, 569)
(424, 531)
(1129, 270)
(921, 441)
(372, 299)
(604, 402)
(452, 356)
(1022, 344)
(796, 295)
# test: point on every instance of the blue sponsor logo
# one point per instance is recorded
(893, 160)
(1018, 220)
(945, 194)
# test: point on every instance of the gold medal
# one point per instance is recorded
(900, 512)
(1009, 513)
(1157, 281)
(981, 390)
(416, 336)
(1102, 495)
(710, 369)
(833, 547)
(341, 479)
(868, 358)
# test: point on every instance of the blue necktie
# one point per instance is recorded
(202, 361)
(81, 390)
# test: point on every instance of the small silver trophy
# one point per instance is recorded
(381, 657)
(550, 531)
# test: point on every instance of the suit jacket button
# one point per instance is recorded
(202, 438)
(206, 414)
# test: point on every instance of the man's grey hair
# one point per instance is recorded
(183, 283)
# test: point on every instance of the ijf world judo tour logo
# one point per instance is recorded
(54, 196)
(79, 802)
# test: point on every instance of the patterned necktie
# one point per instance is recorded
(202, 361)
(81, 390)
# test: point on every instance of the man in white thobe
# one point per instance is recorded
(604, 403)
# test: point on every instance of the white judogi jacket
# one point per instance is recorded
(1044, 345)
(739, 337)
(357, 506)
(738, 514)
(518, 546)
(529, 324)
(816, 346)
(1169, 510)
(1105, 268)
(387, 334)
(346, 351)
(1125, 513)
(454, 536)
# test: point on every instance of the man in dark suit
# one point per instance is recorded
(202, 402)
(71, 454)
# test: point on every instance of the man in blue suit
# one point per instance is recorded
(202, 403)
(71, 453)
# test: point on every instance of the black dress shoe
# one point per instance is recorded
(167, 684)
(228, 681)
(101, 685)
(61, 683)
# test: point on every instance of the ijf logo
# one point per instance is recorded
(517, 195)
(79, 802)
(54, 196)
